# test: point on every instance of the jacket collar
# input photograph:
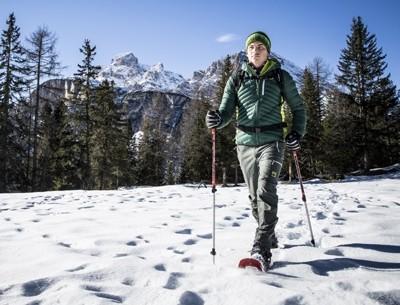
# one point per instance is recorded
(270, 65)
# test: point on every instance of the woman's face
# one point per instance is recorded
(257, 54)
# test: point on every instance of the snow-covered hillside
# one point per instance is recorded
(152, 246)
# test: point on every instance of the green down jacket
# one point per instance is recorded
(258, 103)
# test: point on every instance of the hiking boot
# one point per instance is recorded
(274, 241)
(264, 259)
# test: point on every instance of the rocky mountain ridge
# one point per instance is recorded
(141, 88)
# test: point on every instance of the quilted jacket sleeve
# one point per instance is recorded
(295, 103)
(228, 102)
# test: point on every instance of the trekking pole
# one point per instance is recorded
(296, 161)
(214, 189)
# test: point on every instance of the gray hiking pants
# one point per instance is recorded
(261, 166)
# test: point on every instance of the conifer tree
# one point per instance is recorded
(42, 62)
(362, 74)
(311, 147)
(84, 78)
(109, 144)
(18, 179)
(196, 165)
(130, 166)
(226, 152)
(151, 154)
(46, 149)
(66, 152)
(340, 131)
(11, 86)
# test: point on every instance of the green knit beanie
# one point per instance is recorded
(261, 37)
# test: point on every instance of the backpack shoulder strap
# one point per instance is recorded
(238, 77)
(277, 75)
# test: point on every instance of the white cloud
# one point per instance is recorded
(227, 38)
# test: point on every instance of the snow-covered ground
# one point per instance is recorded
(152, 246)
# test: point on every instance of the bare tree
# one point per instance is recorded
(42, 63)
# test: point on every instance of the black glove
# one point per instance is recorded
(213, 119)
(293, 141)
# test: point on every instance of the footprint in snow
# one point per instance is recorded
(179, 252)
(186, 260)
(160, 267)
(111, 297)
(79, 268)
(34, 303)
(334, 252)
(320, 216)
(184, 231)
(131, 243)
(36, 287)
(227, 218)
(190, 298)
(128, 281)
(28, 206)
(235, 224)
(205, 236)
(64, 245)
(346, 286)
(325, 230)
(92, 288)
(190, 242)
(291, 225)
(295, 300)
(274, 284)
(121, 255)
(293, 236)
(173, 280)
(385, 297)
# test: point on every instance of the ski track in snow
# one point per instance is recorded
(152, 246)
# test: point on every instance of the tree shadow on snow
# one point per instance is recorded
(376, 247)
(324, 266)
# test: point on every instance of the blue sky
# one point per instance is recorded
(184, 34)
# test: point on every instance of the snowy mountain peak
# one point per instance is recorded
(127, 73)
(157, 67)
(125, 59)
